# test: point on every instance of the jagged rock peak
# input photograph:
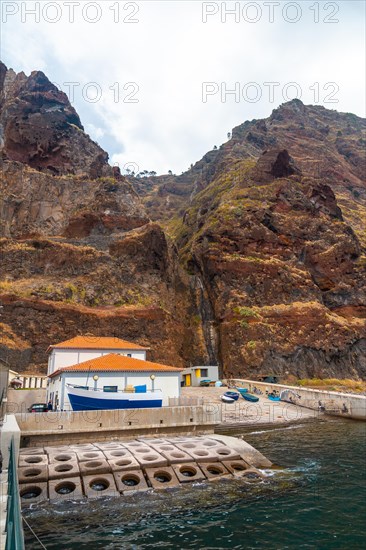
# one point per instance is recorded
(40, 128)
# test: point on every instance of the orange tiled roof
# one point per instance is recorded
(97, 342)
(113, 362)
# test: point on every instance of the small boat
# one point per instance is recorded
(250, 397)
(226, 399)
(242, 390)
(233, 394)
(85, 399)
(272, 397)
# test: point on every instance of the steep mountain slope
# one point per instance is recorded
(325, 145)
(262, 269)
(273, 226)
(78, 252)
(283, 273)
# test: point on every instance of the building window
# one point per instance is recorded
(110, 388)
(204, 373)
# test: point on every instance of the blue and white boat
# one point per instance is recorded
(232, 394)
(85, 399)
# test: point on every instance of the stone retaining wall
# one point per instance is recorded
(347, 405)
(86, 426)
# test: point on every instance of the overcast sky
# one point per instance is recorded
(151, 79)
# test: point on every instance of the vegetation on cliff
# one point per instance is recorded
(255, 257)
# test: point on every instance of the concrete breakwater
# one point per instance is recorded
(70, 427)
(347, 405)
(119, 468)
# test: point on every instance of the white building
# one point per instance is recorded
(106, 371)
(83, 348)
(194, 375)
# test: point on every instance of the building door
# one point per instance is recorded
(187, 379)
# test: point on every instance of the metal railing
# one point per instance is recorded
(2, 404)
(14, 527)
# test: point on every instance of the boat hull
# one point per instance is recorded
(226, 399)
(250, 397)
(232, 395)
(86, 400)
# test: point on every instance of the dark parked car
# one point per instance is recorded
(38, 408)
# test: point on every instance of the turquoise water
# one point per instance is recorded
(316, 499)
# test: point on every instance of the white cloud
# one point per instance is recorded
(169, 53)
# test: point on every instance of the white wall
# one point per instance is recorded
(334, 402)
(168, 382)
(67, 357)
(9, 430)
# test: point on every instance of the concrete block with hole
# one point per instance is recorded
(108, 446)
(127, 463)
(83, 447)
(151, 459)
(225, 453)
(215, 470)
(198, 452)
(32, 460)
(90, 455)
(32, 451)
(163, 447)
(207, 442)
(63, 470)
(162, 478)
(100, 485)
(97, 466)
(183, 439)
(59, 458)
(133, 444)
(236, 467)
(139, 449)
(188, 472)
(130, 481)
(33, 473)
(33, 493)
(114, 454)
(152, 441)
(173, 454)
(65, 489)
(57, 449)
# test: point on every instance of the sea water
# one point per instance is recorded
(315, 498)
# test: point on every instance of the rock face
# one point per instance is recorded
(39, 128)
(261, 268)
(36, 203)
(278, 265)
(78, 252)
(323, 144)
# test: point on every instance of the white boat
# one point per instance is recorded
(226, 399)
(85, 399)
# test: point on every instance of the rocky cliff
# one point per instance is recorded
(261, 269)
(273, 226)
(78, 252)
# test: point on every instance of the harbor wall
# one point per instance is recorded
(347, 405)
(20, 400)
(68, 427)
(8, 430)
